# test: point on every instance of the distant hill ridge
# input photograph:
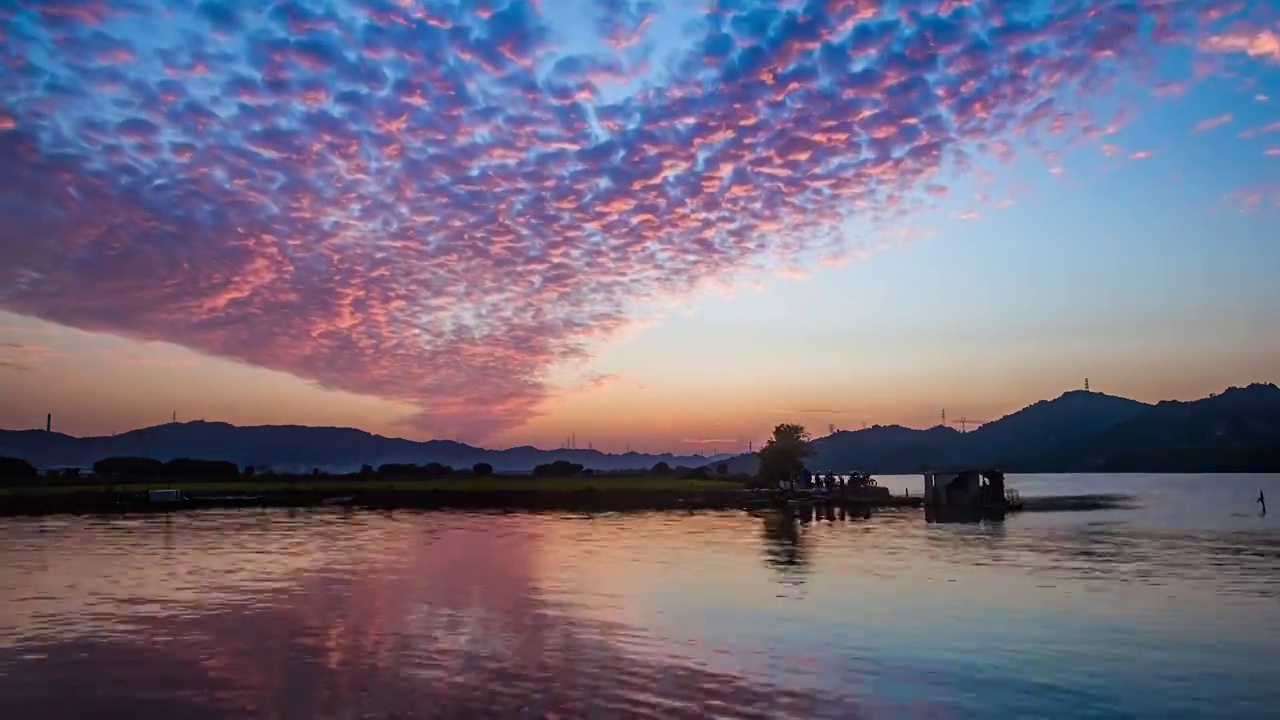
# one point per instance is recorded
(299, 448)
(1237, 430)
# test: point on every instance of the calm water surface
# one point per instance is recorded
(1170, 609)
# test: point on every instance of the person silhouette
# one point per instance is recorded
(1262, 500)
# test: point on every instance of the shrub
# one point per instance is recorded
(12, 467)
(559, 468)
(436, 470)
(128, 467)
(188, 468)
(661, 469)
(398, 469)
(481, 469)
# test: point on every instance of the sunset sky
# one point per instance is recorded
(657, 225)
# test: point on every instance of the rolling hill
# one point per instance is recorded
(297, 448)
(1235, 431)
(1080, 431)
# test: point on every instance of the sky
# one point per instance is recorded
(655, 226)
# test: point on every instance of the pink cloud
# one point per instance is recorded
(1169, 89)
(1211, 123)
(1246, 202)
(1273, 127)
(1260, 43)
(791, 272)
(125, 357)
(1141, 155)
(27, 356)
(397, 203)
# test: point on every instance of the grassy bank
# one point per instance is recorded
(354, 485)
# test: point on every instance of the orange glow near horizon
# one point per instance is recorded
(97, 384)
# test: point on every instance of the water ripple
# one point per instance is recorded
(335, 614)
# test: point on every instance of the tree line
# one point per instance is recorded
(127, 467)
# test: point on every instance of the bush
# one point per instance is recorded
(400, 469)
(661, 469)
(15, 468)
(481, 469)
(700, 473)
(366, 470)
(188, 468)
(435, 470)
(128, 467)
(559, 468)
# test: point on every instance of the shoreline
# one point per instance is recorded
(575, 499)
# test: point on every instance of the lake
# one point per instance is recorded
(1169, 609)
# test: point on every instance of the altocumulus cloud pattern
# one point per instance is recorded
(436, 202)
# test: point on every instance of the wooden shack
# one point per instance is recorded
(974, 490)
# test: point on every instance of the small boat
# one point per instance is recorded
(344, 501)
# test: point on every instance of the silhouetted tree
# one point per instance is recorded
(722, 469)
(436, 470)
(188, 468)
(12, 468)
(128, 467)
(399, 469)
(250, 471)
(481, 469)
(661, 468)
(782, 456)
(559, 468)
(366, 470)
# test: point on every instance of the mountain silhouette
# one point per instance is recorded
(1080, 431)
(1025, 438)
(896, 448)
(1235, 431)
(298, 448)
